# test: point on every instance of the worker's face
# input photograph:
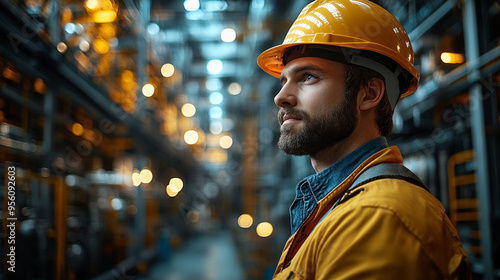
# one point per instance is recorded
(314, 112)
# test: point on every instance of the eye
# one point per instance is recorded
(282, 81)
(308, 77)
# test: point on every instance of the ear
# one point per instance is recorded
(371, 95)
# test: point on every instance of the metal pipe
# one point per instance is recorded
(479, 136)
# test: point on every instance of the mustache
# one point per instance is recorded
(298, 114)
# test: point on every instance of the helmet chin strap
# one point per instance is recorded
(393, 80)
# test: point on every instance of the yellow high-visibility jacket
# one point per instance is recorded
(391, 229)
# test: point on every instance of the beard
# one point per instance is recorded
(318, 133)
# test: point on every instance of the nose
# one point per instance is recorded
(285, 97)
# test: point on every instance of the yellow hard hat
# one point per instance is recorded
(363, 32)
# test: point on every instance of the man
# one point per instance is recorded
(343, 66)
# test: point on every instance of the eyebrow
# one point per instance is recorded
(298, 69)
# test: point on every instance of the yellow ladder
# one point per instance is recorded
(463, 209)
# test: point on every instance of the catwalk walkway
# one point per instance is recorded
(206, 257)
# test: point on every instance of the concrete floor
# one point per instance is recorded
(205, 257)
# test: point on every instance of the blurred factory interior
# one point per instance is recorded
(142, 134)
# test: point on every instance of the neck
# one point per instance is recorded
(327, 157)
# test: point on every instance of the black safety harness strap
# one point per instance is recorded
(387, 170)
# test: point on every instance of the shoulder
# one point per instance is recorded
(395, 219)
(397, 195)
(407, 204)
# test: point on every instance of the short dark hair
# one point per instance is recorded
(359, 76)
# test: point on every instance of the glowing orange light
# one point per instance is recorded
(104, 16)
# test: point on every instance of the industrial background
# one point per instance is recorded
(138, 137)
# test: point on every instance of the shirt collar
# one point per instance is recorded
(320, 184)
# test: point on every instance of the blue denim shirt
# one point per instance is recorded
(313, 188)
